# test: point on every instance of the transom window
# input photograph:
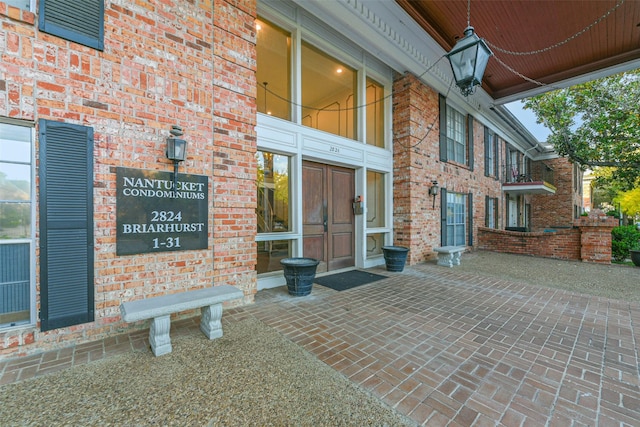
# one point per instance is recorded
(326, 90)
(273, 72)
(375, 113)
(328, 93)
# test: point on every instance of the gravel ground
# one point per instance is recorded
(202, 382)
(611, 281)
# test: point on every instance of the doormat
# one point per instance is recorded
(348, 279)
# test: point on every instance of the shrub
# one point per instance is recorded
(623, 238)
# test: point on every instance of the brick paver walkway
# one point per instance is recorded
(447, 348)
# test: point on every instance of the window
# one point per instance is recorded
(16, 226)
(376, 217)
(83, 25)
(375, 242)
(270, 252)
(375, 200)
(335, 90)
(20, 4)
(273, 210)
(456, 219)
(515, 170)
(375, 113)
(456, 135)
(490, 153)
(491, 212)
(328, 93)
(273, 192)
(456, 147)
(273, 72)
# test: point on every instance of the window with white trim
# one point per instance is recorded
(20, 4)
(491, 212)
(456, 219)
(326, 86)
(456, 140)
(273, 210)
(16, 224)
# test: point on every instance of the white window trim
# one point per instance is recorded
(32, 239)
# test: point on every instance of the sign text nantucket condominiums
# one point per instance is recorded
(153, 216)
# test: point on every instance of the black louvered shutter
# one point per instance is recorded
(443, 217)
(470, 214)
(499, 165)
(443, 128)
(487, 146)
(66, 224)
(487, 212)
(80, 21)
(470, 139)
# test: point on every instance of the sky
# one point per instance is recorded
(528, 119)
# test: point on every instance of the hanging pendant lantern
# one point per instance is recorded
(468, 60)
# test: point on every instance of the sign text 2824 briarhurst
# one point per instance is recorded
(153, 217)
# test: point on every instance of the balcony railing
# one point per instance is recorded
(538, 179)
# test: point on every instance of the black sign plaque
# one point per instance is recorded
(152, 217)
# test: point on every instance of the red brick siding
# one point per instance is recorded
(164, 63)
(562, 244)
(596, 236)
(557, 210)
(417, 163)
(589, 241)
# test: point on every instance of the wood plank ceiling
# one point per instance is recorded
(571, 38)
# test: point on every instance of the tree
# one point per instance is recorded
(596, 124)
(629, 201)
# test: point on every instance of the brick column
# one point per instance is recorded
(235, 144)
(595, 237)
(416, 220)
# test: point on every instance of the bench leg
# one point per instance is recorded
(159, 335)
(210, 324)
(456, 258)
(445, 259)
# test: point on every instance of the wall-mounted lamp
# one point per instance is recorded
(433, 191)
(176, 151)
(468, 60)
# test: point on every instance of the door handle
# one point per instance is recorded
(325, 218)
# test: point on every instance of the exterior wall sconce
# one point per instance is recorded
(176, 151)
(468, 60)
(433, 192)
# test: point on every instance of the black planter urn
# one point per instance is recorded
(299, 274)
(395, 257)
(635, 257)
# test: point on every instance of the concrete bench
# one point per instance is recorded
(449, 256)
(160, 308)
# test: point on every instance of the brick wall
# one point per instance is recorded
(562, 244)
(156, 70)
(556, 210)
(416, 221)
(417, 163)
(588, 240)
(596, 236)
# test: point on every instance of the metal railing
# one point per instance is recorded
(536, 173)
